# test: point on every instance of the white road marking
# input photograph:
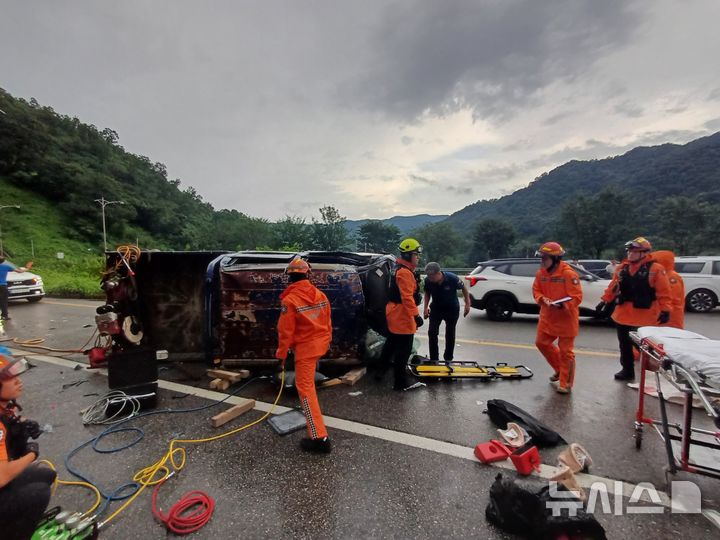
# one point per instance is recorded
(398, 437)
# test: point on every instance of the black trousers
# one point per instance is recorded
(23, 502)
(450, 319)
(397, 350)
(627, 359)
(3, 301)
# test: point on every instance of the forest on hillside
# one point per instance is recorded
(670, 193)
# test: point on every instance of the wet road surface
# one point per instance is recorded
(368, 487)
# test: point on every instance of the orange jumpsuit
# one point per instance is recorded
(305, 327)
(562, 324)
(401, 316)
(677, 288)
(400, 313)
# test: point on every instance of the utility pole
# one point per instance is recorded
(1, 242)
(103, 203)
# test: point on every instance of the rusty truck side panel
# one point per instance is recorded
(249, 308)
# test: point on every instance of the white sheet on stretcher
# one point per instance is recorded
(694, 352)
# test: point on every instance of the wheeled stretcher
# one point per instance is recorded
(690, 362)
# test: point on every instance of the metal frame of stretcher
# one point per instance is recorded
(653, 358)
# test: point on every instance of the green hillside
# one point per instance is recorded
(405, 224)
(646, 175)
(38, 231)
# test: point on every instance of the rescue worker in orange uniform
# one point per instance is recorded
(677, 288)
(25, 486)
(403, 316)
(640, 291)
(554, 281)
(305, 326)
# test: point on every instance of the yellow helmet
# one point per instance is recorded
(410, 245)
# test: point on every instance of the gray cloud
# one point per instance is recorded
(422, 180)
(714, 94)
(555, 118)
(460, 190)
(496, 172)
(490, 57)
(713, 125)
(406, 140)
(629, 108)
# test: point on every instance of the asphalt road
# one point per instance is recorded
(369, 486)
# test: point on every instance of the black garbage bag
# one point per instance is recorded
(517, 510)
(501, 412)
(513, 508)
(576, 523)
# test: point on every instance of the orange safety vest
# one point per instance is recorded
(626, 313)
(562, 282)
(401, 316)
(305, 324)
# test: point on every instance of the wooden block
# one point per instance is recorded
(232, 376)
(233, 412)
(353, 376)
(330, 382)
(219, 384)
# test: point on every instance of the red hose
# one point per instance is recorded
(187, 515)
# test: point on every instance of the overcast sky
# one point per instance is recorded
(377, 108)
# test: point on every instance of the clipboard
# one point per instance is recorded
(561, 300)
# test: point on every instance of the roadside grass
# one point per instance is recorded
(37, 232)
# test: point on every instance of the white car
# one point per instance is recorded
(504, 286)
(702, 281)
(25, 285)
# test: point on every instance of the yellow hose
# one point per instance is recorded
(98, 496)
(147, 476)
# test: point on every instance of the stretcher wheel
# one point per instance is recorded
(638, 438)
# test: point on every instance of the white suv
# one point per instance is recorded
(504, 286)
(702, 281)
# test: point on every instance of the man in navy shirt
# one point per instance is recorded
(442, 287)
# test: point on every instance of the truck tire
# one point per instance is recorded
(499, 308)
(701, 301)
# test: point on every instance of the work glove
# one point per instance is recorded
(601, 307)
(31, 429)
(664, 317)
(419, 321)
(34, 448)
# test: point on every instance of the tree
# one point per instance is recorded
(588, 226)
(492, 238)
(291, 232)
(683, 221)
(329, 232)
(377, 237)
(441, 243)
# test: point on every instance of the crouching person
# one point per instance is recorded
(24, 485)
(306, 328)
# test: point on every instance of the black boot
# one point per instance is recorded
(317, 446)
(625, 375)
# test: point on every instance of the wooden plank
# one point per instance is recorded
(219, 384)
(330, 382)
(353, 376)
(233, 412)
(232, 376)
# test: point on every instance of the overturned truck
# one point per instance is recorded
(223, 307)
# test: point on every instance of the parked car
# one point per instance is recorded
(702, 282)
(504, 286)
(25, 285)
(597, 267)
